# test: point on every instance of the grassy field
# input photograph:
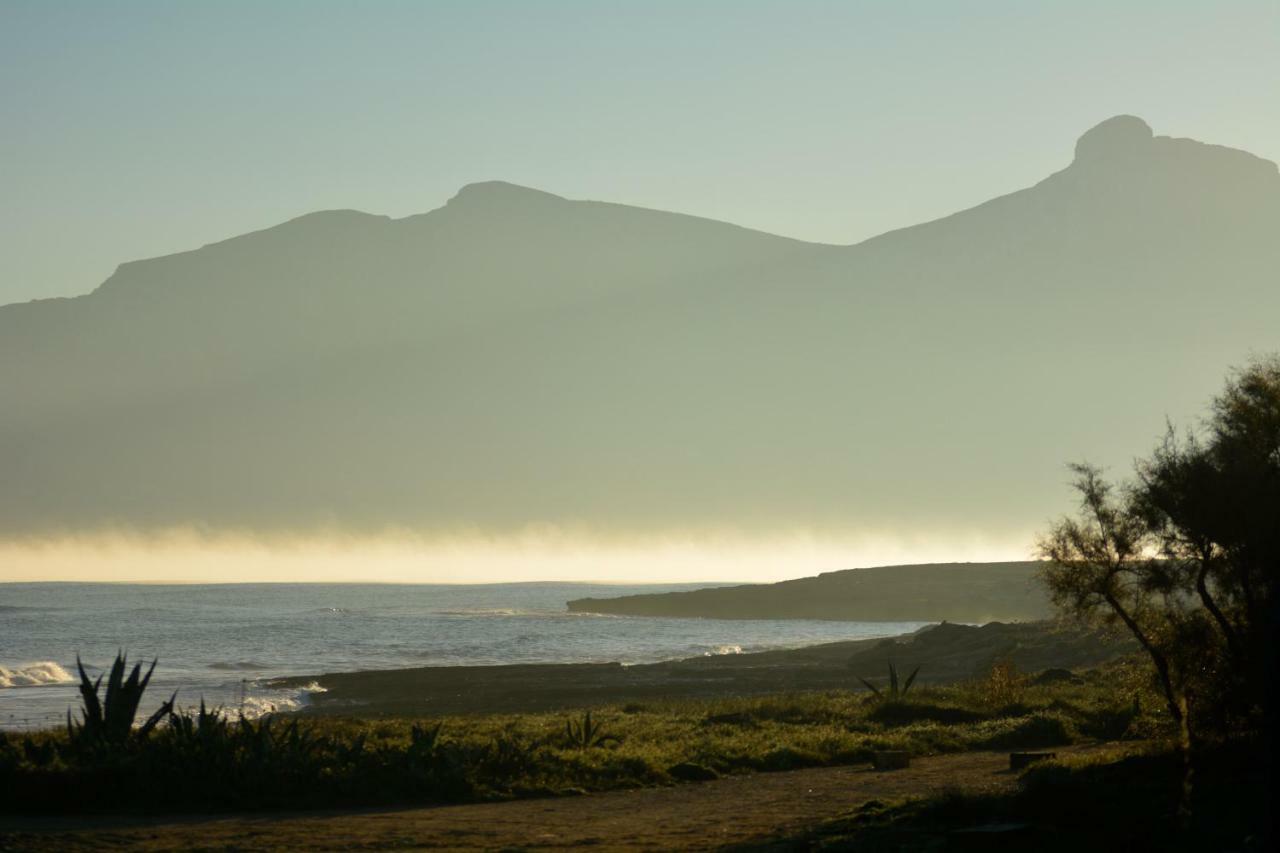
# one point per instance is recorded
(1088, 801)
(210, 762)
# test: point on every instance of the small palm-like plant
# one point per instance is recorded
(107, 720)
(508, 755)
(894, 690)
(586, 733)
(204, 729)
(424, 740)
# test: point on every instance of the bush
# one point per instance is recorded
(1031, 732)
(1004, 685)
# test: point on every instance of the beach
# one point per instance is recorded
(944, 653)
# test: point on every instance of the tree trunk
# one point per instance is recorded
(1206, 598)
(1157, 658)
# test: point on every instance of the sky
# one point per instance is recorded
(136, 129)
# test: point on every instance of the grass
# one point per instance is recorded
(204, 760)
(1073, 804)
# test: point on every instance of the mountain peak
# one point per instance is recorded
(1119, 137)
(500, 193)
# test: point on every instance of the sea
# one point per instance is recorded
(224, 643)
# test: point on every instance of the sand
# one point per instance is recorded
(944, 653)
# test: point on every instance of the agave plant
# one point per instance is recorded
(587, 733)
(507, 755)
(894, 690)
(423, 740)
(107, 720)
(207, 727)
(350, 753)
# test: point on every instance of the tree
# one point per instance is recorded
(1100, 569)
(1187, 555)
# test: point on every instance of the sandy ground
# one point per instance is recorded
(699, 816)
(944, 653)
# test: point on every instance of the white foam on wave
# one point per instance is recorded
(726, 649)
(34, 675)
(487, 611)
(522, 613)
(278, 701)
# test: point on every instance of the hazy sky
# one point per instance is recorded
(137, 129)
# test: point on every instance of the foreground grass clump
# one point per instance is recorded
(1132, 803)
(207, 760)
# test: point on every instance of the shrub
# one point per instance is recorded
(1004, 685)
(1030, 732)
(892, 692)
(587, 734)
(107, 721)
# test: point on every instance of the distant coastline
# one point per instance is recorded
(957, 592)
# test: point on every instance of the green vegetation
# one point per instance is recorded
(204, 760)
(1187, 557)
(1068, 805)
(892, 693)
(587, 734)
(108, 721)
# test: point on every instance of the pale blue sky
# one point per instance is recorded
(137, 129)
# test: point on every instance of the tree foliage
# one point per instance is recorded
(1186, 555)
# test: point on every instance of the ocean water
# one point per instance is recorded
(224, 642)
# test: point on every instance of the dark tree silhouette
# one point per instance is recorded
(1187, 555)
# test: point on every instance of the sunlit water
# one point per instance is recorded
(224, 642)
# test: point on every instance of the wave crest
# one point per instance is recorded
(279, 701)
(34, 675)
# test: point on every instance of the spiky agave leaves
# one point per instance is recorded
(423, 740)
(108, 719)
(893, 680)
(587, 733)
(895, 690)
(204, 729)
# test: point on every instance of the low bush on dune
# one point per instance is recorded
(207, 760)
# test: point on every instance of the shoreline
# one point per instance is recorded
(944, 652)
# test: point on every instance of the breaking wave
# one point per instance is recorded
(34, 675)
(278, 701)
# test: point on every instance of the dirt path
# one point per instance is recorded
(702, 816)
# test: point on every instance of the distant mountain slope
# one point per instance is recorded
(958, 592)
(516, 358)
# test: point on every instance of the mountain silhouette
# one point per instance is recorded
(517, 358)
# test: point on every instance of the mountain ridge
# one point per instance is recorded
(622, 368)
(1124, 133)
